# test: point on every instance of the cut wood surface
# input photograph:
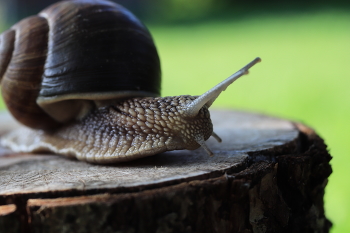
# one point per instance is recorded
(268, 173)
(241, 133)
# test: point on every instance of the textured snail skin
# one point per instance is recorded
(124, 131)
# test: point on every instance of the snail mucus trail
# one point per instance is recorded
(115, 128)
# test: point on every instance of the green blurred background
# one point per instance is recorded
(304, 75)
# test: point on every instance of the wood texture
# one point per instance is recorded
(268, 175)
(9, 220)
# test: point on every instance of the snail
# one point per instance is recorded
(84, 77)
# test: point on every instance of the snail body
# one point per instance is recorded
(124, 131)
(87, 87)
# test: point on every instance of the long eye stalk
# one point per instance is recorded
(210, 96)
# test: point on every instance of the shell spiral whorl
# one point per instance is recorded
(72, 54)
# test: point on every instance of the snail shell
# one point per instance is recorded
(72, 56)
(84, 76)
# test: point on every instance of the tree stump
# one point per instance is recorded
(268, 175)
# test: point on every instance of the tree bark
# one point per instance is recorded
(268, 175)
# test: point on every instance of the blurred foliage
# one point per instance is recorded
(179, 11)
(304, 75)
(183, 11)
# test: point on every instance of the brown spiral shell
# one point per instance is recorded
(56, 65)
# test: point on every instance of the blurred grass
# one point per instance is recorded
(304, 76)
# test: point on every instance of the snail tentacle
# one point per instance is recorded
(214, 135)
(210, 96)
